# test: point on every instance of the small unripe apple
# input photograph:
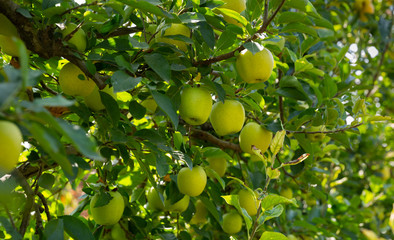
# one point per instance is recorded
(228, 117)
(254, 134)
(200, 216)
(7, 28)
(232, 222)
(117, 233)
(248, 201)
(255, 68)
(150, 105)
(236, 5)
(176, 29)
(78, 40)
(192, 182)
(93, 100)
(154, 200)
(110, 213)
(217, 164)
(286, 192)
(74, 82)
(10, 146)
(196, 105)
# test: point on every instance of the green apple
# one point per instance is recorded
(217, 164)
(10, 146)
(150, 105)
(232, 223)
(286, 192)
(200, 216)
(179, 206)
(7, 28)
(154, 200)
(315, 137)
(78, 40)
(196, 105)
(254, 134)
(176, 29)
(248, 201)
(235, 5)
(93, 100)
(255, 68)
(228, 117)
(8, 36)
(110, 213)
(192, 182)
(74, 82)
(117, 233)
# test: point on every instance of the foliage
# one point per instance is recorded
(332, 69)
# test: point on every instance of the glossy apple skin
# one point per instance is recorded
(248, 201)
(218, 164)
(10, 146)
(228, 117)
(71, 84)
(78, 40)
(150, 105)
(93, 100)
(255, 68)
(176, 29)
(192, 182)
(196, 105)
(201, 214)
(154, 200)
(179, 206)
(236, 5)
(254, 134)
(108, 214)
(232, 223)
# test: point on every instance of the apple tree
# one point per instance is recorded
(196, 119)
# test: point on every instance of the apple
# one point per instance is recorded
(78, 40)
(363, 7)
(286, 192)
(200, 216)
(150, 105)
(232, 223)
(316, 136)
(8, 36)
(196, 105)
(254, 68)
(217, 164)
(179, 206)
(254, 134)
(248, 201)
(154, 200)
(192, 182)
(110, 213)
(117, 233)
(228, 117)
(176, 29)
(93, 100)
(74, 82)
(7, 28)
(236, 5)
(10, 146)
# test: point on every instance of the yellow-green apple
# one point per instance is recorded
(150, 105)
(175, 29)
(286, 192)
(117, 233)
(8, 36)
(255, 68)
(154, 200)
(254, 134)
(228, 117)
(10, 146)
(217, 164)
(196, 105)
(74, 82)
(110, 213)
(248, 201)
(200, 216)
(179, 206)
(232, 222)
(78, 40)
(93, 100)
(192, 182)
(235, 5)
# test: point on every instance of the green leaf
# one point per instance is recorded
(54, 230)
(207, 34)
(212, 172)
(49, 3)
(272, 213)
(253, 47)
(233, 14)
(359, 105)
(76, 228)
(291, 93)
(103, 199)
(159, 64)
(302, 65)
(277, 142)
(233, 200)
(272, 173)
(329, 87)
(111, 107)
(162, 166)
(289, 17)
(341, 137)
(46, 180)
(178, 155)
(211, 208)
(166, 105)
(121, 81)
(146, 7)
(215, 152)
(273, 236)
(137, 110)
(272, 200)
(226, 40)
(372, 119)
(8, 92)
(10, 230)
(57, 101)
(299, 27)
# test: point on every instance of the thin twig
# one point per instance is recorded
(331, 131)
(45, 203)
(9, 215)
(48, 89)
(79, 6)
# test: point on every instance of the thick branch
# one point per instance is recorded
(197, 133)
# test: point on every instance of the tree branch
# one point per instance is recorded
(197, 133)
(331, 131)
(45, 203)
(120, 32)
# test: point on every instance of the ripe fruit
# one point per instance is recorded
(200, 216)
(74, 82)
(154, 200)
(286, 192)
(176, 29)
(10, 146)
(232, 222)
(218, 164)
(93, 100)
(78, 40)
(179, 206)
(248, 201)
(150, 105)
(117, 233)
(192, 182)
(254, 134)
(228, 117)
(255, 68)
(236, 5)
(316, 136)
(8, 35)
(108, 214)
(196, 105)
